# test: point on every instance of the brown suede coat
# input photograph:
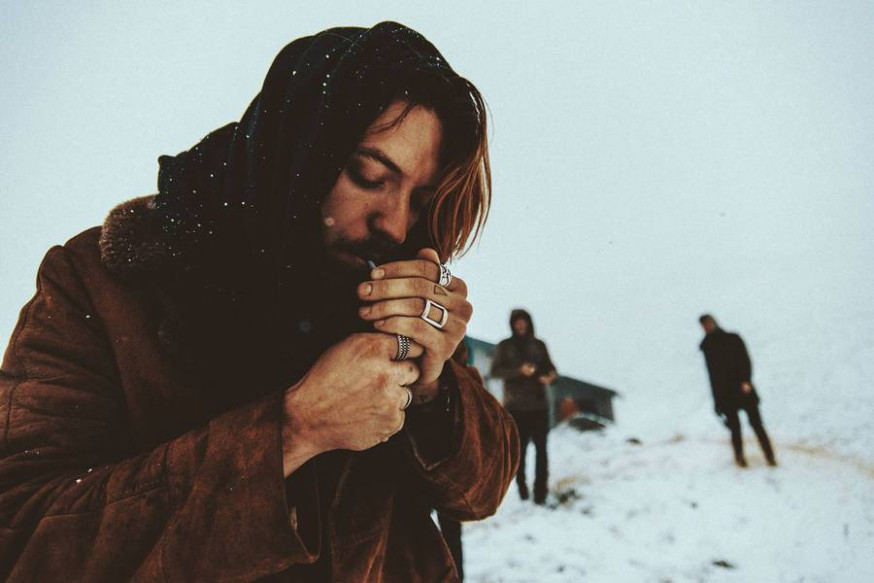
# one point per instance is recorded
(116, 467)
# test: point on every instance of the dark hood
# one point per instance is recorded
(244, 202)
(519, 313)
(240, 211)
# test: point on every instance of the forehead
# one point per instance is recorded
(413, 144)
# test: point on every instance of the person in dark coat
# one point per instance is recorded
(730, 371)
(523, 361)
(450, 528)
(215, 386)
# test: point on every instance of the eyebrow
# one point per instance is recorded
(382, 158)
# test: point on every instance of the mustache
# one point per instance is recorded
(376, 249)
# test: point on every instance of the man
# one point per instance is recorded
(730, 370)
(523, 362)
(247, 376)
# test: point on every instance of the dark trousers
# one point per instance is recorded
(732, 419)
(533, 426)
(451, 530)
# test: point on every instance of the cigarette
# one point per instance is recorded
(371, 265)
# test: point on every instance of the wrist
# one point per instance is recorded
(439, 397)
(298, 436)
(425, 393)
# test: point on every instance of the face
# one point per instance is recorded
(708, 325)
(384, 189)
(520, 326)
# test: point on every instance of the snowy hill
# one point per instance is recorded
(680, 511)
(674, 508)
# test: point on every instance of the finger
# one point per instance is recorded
(388, 308)
(456, 285)
(392, 289)
(404, 397)
(403, 373)
(392, 346)
(403, 269)
(415, 307)
(410, 287)
(437, 342)
(403, 420)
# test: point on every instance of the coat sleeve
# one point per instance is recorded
(502, 365)
(77, 503)
(715, 387)
(744, 365)
(467, 463)
(546, 367)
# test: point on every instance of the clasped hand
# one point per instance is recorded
(396, 297)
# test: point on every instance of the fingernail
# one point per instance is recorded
(365, 289)
(377, 274)
(379, 323)
(364, 310)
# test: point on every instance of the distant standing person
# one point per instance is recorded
(728, 364)
(523, 362)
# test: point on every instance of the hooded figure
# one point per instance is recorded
(523, 361)
(149, 390)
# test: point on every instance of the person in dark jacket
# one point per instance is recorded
(730, 371)
(523, 361)
(215, 386)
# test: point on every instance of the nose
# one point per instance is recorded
(392, 219)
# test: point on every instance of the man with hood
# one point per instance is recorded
(247, 376)
(730, 371)
(522, 360)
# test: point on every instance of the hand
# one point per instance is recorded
(396, 297)
(746, 387)
(351, 398)
(527, 369)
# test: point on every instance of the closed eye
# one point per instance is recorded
(363, 182)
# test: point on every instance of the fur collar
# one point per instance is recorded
(132, 241)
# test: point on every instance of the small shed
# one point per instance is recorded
(586, 397)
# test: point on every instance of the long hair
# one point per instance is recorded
(460, 207)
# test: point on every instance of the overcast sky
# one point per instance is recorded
(651, 160)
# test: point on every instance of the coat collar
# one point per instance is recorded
(132, 241)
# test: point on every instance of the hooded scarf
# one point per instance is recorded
(521, 341)
(240, 211)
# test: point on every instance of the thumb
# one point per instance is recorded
(429, 255)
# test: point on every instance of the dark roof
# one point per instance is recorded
(572, 383)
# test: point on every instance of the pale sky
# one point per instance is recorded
(651, 160)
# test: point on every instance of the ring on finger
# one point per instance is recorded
(403, 347)
(427, 317)
(445, 276)
(409, 397)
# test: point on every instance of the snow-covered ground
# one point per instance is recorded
(674, 507)
(675, 510)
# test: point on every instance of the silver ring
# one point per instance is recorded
(445, 276)
(428, 305)
(409, 397)
(403, 347)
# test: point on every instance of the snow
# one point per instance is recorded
(675, 508)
